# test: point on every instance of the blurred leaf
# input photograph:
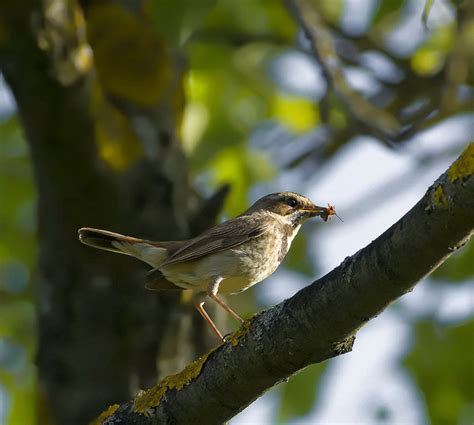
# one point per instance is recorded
(458, 267)
(213, 72)
(298, 258)
(244, 19)
(443, 38)
(442, 363)
(385, 9)
(331, 10)
(195, 122)
(298, 114)
(426, 12)
(241, 168)
(17, 256)
(116, 139)
(430, 57)
(176, 20)
(17, 348)
(22, 395)
(427, 61)
(16, 186)
(17, 321)
(130, 59)
(298, 395)
(11, 137)
(238, 75)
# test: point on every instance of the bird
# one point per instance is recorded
(225, 259)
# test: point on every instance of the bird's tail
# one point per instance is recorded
(147, 251)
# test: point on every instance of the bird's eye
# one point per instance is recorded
(292, 202)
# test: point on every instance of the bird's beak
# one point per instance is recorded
(323, 212)
(315, 211)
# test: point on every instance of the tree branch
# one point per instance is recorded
(381, 122)
(321, 320)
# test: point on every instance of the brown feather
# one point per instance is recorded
(103, 239)
(223, 236)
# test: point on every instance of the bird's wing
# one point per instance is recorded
(223, 236)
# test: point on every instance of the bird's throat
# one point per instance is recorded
(290, 230)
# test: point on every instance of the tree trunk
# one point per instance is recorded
(99, 331)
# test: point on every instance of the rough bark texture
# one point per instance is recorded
(321, 320)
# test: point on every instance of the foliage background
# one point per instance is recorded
(260, 112)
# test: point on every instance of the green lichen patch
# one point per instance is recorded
(105, 414)
(146, 400)
(439, 198)
(240, 333)
(463, 166)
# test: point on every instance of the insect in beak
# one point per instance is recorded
(328, 212)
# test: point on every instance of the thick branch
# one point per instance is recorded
(321, 320)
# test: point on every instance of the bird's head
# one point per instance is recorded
(292, 207)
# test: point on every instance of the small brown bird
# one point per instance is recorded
(228, 258)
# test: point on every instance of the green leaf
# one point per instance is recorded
(426, 12)
(241, 168)
(245, 19)
(298, 395)
(385, 9)
(442, 364)
(176, 20)
(298, 258)
(17, 255)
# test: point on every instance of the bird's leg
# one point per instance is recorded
(199, 299)
(226, 307)
(212, 293)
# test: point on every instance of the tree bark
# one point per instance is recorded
(99, 331)
(321, 320)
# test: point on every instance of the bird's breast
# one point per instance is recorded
(256, 260)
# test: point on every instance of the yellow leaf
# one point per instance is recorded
(117, 142)
(298, 114)
(195, 121)
(427, 61)
(131, 61)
